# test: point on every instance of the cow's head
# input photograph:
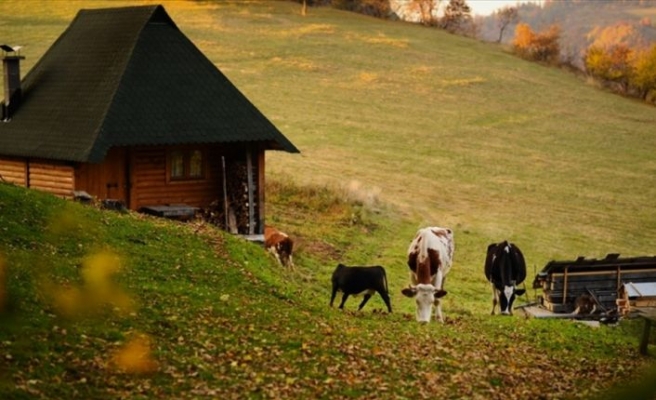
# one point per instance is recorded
(426, 296)
(507, 296)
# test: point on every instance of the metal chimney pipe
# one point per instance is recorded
(12, 82)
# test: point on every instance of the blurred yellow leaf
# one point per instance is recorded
(98, 269)
(68, 301)
(135, 357)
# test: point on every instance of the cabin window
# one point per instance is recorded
(196, 164)
(177, 165)
(186, 164)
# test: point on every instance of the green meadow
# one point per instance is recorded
(399, 126)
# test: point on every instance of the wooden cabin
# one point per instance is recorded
(562, 282)
(124, 107)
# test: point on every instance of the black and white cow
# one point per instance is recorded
(358, 279)
(505, 268)
(430, 256)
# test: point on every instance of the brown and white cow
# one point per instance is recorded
(430, 256)
(280, 245)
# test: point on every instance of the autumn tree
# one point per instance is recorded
(542, 46)
(457, 16)
(505, 17)
(619, 34)
(643, 73)
(610, 57)
(611, 65)
(426, 9)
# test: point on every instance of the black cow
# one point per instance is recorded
(355, 280)
(505, 268)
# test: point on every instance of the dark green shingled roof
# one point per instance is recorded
(128, 76)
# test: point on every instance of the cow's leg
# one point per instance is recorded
(495, 298)
(438, 311)
(383, 293)
(344, 297)
(438, 282)
(274, 251)
(332, 297)
(367, 296)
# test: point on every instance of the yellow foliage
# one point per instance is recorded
(98, 269)
(135, 357)
(620, 34)
(644, 70)
(541, 46)
(68, 302)
(98, 289)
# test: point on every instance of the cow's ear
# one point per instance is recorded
(439, 293)
(409, 292)
(520, 292)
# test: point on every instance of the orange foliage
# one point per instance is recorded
(643, 76)
(620, 34)
(608, 64)
(541, 46)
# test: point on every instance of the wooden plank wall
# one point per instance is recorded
(52, 177)
(13, 171)
(151, 187)
(48, 176)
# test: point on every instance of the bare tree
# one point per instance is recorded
(457, 16)
(427, 10)
(505, 17)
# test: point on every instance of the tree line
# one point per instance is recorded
(616, 57)
(582, 35)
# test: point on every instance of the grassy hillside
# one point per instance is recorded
(106, 305)
(399, 126)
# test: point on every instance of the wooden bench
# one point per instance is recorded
(649, 315)
(173, 211)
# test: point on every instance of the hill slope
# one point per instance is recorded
(107, 305)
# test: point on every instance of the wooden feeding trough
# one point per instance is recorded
(563, 282)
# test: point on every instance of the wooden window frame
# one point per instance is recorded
(186, 157)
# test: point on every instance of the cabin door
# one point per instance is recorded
(115, 175)
(106, 180)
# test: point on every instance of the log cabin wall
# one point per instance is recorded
(52, 177)
(141, 176)
(13, 171)
(151, 181)
(49, 176)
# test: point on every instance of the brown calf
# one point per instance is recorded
(280, 245)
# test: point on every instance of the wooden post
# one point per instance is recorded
(225, 194)
(645, 337)
(251, 208)
(565, 286)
